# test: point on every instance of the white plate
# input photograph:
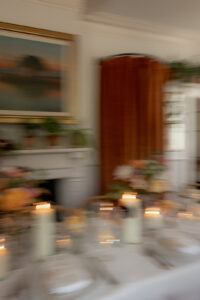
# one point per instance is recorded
(174, 247)
(40, 292)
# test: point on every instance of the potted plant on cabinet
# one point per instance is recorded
(30, 137)
(53, 129)
(80, 138)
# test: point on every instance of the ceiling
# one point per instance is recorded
(179, 14)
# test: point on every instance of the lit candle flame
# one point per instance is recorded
(154, 211)
(106, 208)
(43, 206)
(2, 247)
(129, 199)
(129, 196)
(106, 242)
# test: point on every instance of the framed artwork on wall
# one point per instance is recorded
(36, 71)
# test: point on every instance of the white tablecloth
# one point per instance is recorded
(143, 278)
(178, 284)
(140, 278)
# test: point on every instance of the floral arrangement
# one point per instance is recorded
(18, 188)
(143, 176)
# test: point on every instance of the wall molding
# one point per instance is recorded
(149, 28)
(72, 5)
(161, 31)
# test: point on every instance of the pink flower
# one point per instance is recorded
(13, 172)
(138, 164)
(34, 192)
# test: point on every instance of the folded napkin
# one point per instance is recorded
(178, 243)
(66, 274)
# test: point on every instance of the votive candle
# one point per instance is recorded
(153, 217)
(4, 261)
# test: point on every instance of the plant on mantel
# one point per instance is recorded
(53, 129)
(79, 137)
(75, 136)
(30, 134)
(185, 71)
(6, 145)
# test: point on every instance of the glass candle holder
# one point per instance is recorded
(153, 218)
(4, 258)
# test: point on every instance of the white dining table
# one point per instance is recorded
(135, 276)
(142, 277)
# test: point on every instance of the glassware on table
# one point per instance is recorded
(104, 230)
(177, 247)
(4, 258)
(170, 208)
(75, 226)
(189, 223)
(63, 239)
(17, 231)
(153, 218)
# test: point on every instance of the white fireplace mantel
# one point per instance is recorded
(76, 169)
(55, 162)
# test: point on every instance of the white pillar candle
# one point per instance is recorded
(43, 230)
(132, 223)
(153, 218)
(4, 261)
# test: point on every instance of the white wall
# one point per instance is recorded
(94, 42)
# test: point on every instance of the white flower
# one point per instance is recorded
(123, 172)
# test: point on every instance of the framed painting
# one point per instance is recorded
(36, 70)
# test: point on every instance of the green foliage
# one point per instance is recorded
(117, 190)
(118, 187)
(114, 196)
(184, 71)
(51, 126)
(80, 137)
(152, 170)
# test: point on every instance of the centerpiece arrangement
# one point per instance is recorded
(142, 176)
(18, 190)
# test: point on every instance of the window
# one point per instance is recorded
(174, 114)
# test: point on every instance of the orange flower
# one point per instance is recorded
(14, 199)
(138, 164)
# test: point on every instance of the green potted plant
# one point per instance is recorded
(30, 136)
(53, 129)
(79, 138)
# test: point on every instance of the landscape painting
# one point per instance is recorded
(32, 74)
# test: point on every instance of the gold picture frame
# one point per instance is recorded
(26, 32)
